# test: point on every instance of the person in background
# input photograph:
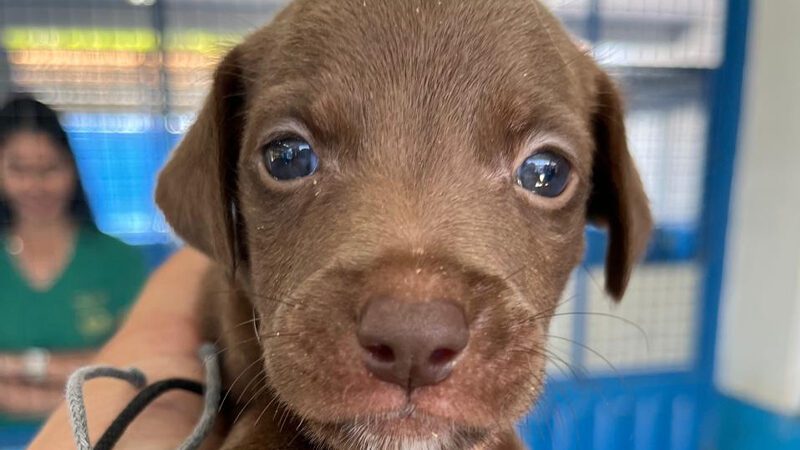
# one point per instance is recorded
(64, 286)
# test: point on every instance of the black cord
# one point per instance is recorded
(139, 403)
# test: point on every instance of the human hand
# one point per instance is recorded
(59, 367)
(29, 401)
(161, 337)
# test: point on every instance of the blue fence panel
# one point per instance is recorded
(648, 412)
(118, 169)
(659, 409)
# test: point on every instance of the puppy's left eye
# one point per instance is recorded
(290, 158)
(545, 173)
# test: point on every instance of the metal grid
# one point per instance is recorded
(648, 33)
(661, 52)
(654, 328)
(127, 96)
(667, 128)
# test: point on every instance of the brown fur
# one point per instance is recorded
(420, 111)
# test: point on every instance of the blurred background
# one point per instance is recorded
(704, 353)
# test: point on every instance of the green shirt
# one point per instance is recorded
(82, 309)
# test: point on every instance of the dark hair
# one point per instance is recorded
(24, 113)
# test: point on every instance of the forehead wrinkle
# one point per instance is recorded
(324, 113)
(558, 120)
(462, 44)
(509, 121)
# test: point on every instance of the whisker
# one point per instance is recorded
(266, 408)
(259, 337)
(587, 348)
(547, 354)
(258, 392)
(483, 289)
(558, 366)
(257, 379)
(591, 277)
(514, 273)
(230, 388)
(638, 327)
(541, 314)
(255, 325)
(255, 296)
(283, 420)
(297, 430)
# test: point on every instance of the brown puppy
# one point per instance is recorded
(395, 192)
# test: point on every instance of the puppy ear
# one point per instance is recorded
(197, 188)
(618, 200)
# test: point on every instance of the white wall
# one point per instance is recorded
(759, 339)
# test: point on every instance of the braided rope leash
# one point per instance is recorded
(211, 393)
(211, 398)
(76, 405)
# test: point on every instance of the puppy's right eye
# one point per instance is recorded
(290, 158)
(545, 173)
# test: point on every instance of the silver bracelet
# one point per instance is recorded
(35, 363)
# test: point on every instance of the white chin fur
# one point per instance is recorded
(407, 444)
(365, 440)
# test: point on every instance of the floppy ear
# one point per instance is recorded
(197, 188)
(618, 200)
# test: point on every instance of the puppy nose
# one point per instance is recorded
(412, 344)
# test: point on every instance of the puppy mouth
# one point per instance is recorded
(406, 424)
(408, 412)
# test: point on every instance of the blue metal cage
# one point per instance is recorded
(637, 376)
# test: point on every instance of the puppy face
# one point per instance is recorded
(403, 187)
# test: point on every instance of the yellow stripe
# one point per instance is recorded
(142, 40)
